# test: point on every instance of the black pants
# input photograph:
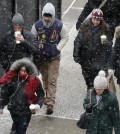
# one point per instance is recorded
(89, 75)
(20, 123)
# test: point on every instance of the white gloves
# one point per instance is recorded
(37, 107)
(34, 107)
(1, 111)
(110, 72)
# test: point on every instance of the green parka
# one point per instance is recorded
(105, 113)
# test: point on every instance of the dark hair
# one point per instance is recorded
(27, 69)
(47, 15)
(103, 26)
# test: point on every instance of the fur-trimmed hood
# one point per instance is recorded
(24, 62)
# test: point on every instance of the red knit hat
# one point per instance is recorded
(97, 13)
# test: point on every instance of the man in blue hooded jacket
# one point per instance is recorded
(52, 36)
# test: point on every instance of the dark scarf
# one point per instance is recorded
(95, 28)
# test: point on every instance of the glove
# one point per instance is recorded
(89, 108)
(34, 107)
(105, 42)
(110, 72)
(1, 111)
(37, 107)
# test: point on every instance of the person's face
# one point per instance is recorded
(95, 21)
(17, 28)
(47, 19)
(23, 70)
(99, 91)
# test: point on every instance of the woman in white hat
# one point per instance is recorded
(104, 108)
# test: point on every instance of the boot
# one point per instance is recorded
(49, 109)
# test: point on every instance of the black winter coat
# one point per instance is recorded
(88, 49)
(105, 113)
(10, 51)
(89, 6)
(111, 12)
(13, 95)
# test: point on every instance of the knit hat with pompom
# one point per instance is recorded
(100, 81)
(97, 13)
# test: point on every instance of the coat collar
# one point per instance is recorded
(104, 95)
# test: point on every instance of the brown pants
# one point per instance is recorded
(49, 71)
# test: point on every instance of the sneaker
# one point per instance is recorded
(49, 110)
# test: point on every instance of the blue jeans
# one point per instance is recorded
(20, 123)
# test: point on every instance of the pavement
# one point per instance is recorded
(71, 88)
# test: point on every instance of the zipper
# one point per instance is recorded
(18, 86)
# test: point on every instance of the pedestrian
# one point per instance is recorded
(52, 36)
(114, 66)
(104, 108)
(22, 92)
(93, 46)
(110, 9)
(17, 43)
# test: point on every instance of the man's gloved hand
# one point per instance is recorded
(89, 107)
(1, 111)
(110, 72)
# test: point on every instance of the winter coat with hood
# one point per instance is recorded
(111, 12)
(115, 57)
(18, 92)
(10, 51)
(88, 49)
(105, 114)
(51, 37)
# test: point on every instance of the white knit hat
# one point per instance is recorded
(100, 81)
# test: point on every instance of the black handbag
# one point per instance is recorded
(85, 118)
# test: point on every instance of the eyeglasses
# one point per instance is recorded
(22, 70)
